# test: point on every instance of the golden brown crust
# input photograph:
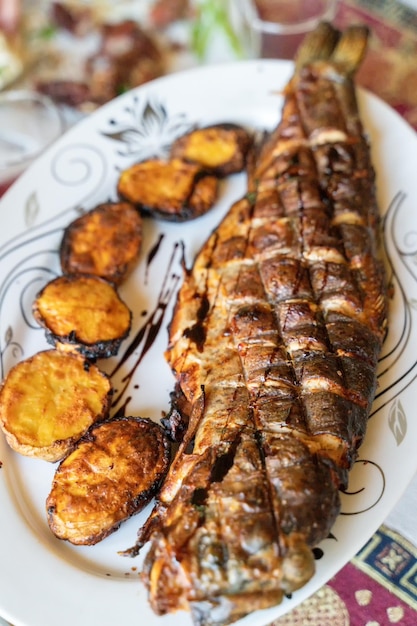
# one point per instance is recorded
(274, 344)
(83, 313)
(221, 149)
(105, 242)
(48, 401)
(113, 472)
(169, 189)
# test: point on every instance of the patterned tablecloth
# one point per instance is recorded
(377, 588)
(389, 69)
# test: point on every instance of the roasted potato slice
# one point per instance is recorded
(221, 149)
(105, 242)
(169, 189)
(48, 401)
(83, 313)
(113, 472)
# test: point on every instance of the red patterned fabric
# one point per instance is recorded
(378, 588)
(389, 69)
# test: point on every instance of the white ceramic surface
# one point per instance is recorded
(29, 123)
(44, 581)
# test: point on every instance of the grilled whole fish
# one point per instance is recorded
(274, 343)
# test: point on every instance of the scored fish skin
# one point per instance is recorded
(274, 343)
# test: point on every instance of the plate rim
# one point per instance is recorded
(257, 65)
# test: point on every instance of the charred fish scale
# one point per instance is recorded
(274, 343)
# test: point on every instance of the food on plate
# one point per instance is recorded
(111, 474)
(77, 19)
(164, 12)
(128, 57)
(48, 401)
(11, 58)
(186, 185)
(169, 189)
(83, 313)
(111, 56)
(274, 343)
(221, 149)
(105, 241)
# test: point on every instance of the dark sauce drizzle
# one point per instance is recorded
(152, 254)
(148, 331)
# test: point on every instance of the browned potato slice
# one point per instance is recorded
(105, 242)
(83, 313)
(48, 401)
(113, 472)
(221, 149)
(172, 190)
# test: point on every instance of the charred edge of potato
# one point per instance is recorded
(172, 190)
(83, 313)
(49, 401)
(220, 149)
(104, 242)
(113, 473)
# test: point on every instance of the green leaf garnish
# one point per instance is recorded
(212, 17)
